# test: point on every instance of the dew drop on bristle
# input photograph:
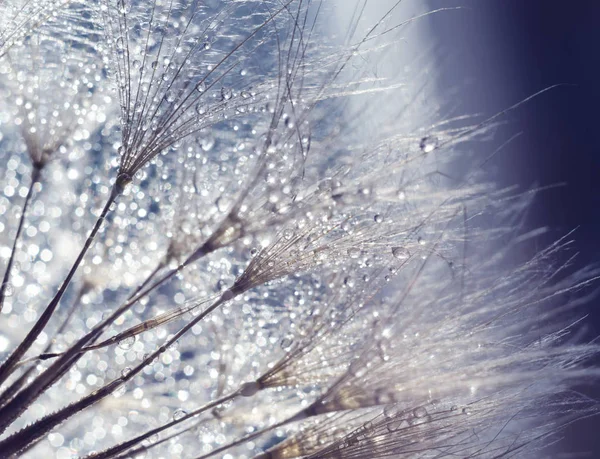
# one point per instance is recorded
(127, 343)
(428, 143)
(354, 252)
(420, 412)
(286, 343)
(179, 414)
(9, 290)
(400, 253)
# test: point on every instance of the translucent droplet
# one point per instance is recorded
(420, 412)
(179, 414)
(226, 94)
(429, 143)
(354, 252)
(288, 234)
(400, 253)
(200, 109)
(390, 411)
(9, 290)
(127, 343)
(119, 391)
(125, 372)
(395, 425)
(286, 343)
(378, 218)
(221, 285)
(207, 143)
(466, 411)
(325, 185)
(383, 397)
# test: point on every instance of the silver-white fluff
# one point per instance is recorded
(245, 229)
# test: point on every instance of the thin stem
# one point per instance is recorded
(122, 447)
(131, 300)
(23, 399)
(8, 366)
(143, 448)
(148, 279)
(18, 442)
(253, 435)
(35, 177)
(20, 382)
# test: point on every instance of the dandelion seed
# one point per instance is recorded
(285, 275)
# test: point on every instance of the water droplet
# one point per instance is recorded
(9, 290)
(200, 110)
(378, 218)
(222, 204)
(127, 343)
(253, 251)
(179, 414)
(288, 234)
(466, 411)
(354, 252)
(395, 425)
(383, 397)
(122, 6)
(420, 412)
(325, 185)
(154, 64)
(226, 94)
(428, 143)
(400, 253)
(286, 343)
(125, 372)
(390, 411)
(119, 391)
(221, 285)
(207, 143)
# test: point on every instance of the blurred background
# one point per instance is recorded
(498, 52)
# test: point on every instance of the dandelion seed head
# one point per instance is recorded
(297, 262)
